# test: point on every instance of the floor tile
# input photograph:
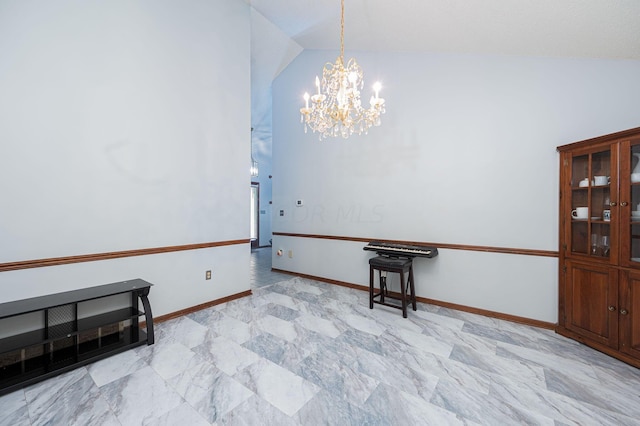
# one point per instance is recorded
(305, 352)
(183, 330)
(326, 409)
(168, 357)
(227, 355)
(280, 387)
(210, 391)
(72, 399)
(283, 329)
(319, 325)
(257, 411)
(115, 367)
(337, 372)
(483, 408)
(183, 414)
(393, 407)
(14, 410)
(140, 397)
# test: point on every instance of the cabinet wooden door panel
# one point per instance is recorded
(629, 312)
(591, 292)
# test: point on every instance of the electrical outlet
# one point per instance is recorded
(207, 275)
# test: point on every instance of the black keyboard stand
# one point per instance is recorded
(402, 266)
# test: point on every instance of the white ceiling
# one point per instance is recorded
(569, 28)
(281, 29)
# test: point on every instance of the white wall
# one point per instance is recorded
(465, 155)
(271, 51)
(120, 131)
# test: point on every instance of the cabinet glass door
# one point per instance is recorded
(631, 220)
(590, 213)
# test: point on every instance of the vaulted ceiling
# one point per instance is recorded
(281, 29)
(573, 28)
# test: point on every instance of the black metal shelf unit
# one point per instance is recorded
(64, 341)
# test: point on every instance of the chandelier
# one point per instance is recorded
(337, 110)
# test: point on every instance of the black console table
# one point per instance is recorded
(64, 340)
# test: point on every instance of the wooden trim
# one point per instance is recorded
(600, 139)
(463, 308)
(199, 307)
(325, 280)
(490, 314)
(55, 261)
(487, 249)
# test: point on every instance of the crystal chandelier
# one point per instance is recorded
(338, 111)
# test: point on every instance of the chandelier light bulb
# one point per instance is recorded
(353, 79)
(376, 88)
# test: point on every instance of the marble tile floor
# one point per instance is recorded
(303, 352)
(260, 272)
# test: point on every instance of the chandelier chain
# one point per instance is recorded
(342, 33)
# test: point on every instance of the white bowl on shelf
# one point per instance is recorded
(635, 214)
(635, 177)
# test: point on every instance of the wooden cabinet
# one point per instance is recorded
(599, 273)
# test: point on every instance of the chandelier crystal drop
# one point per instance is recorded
(336, 110)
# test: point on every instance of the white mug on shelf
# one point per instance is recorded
(601, 180)
(580, 213)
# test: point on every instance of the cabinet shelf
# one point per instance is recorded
(584, 188)
(53, 363)
(68, 329)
